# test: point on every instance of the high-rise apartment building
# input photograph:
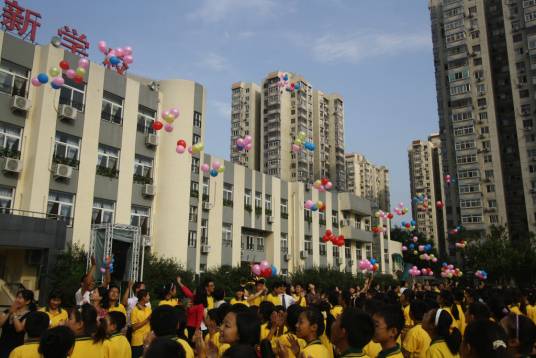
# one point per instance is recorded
(485, 60)
(367, 180)
(282, 115)
(426, 180)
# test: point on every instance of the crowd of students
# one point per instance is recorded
(288, 320)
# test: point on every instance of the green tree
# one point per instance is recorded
(67, 273)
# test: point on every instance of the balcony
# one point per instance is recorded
(355, 234)
(352, 203)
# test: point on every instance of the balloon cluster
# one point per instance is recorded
(300, 143)
(439, 204)
(383, 215)
(449, 179)
(428, 257)
(216, 169)
(196, 148)
(379, 229)
(110, 266)
(421, 201)
(311, 205)
(368, 266)
(286, 84)
(322, 184)
(245, 143)
(118, 58)
(181, 146)
(456, 230)
(449, 271)
(169, 117)
(481, 275)
(264, 269)
(335, 240)
(461, 244)
(408, 226)
(401, 210)
(414, 271)
(56, 74)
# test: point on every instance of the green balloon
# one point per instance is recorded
(54, 72)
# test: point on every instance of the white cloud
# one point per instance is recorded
(217, 10)
(214, 62)
(356, 47)
(221, 108)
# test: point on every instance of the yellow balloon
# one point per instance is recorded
(53, 72)
(221, 170)
(319, 204)
(80, 71)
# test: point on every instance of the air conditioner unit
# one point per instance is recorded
(270, 219)
(149, 190)
(147, 240)
(63, 171)
(151, 140)
(304, 254)
(207, 205)
(19, 103)
(288, 257)
(205, 249)
(12, 165)
(67, 112)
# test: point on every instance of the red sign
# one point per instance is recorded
(17, 18)
(71, 40)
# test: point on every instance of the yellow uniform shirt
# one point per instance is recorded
(118, 346)
(187, 349)
(461, 322)
(171, 302)
(234, 301)
(27, 350)
(210, 302)
(391, 352)
(118, 308)
(265, 331)
(336, 311)
(416, 342)
(372, 349)
(256, 301)
(56, 318)
(353, 353)
(302, 303)
(84, 347)
(531, 313)
(276, 300)
(515, 309)
(407, 317)
(139, 315)
(439, 349)
(326, 343)
(314, 348)
(215, 339)
(285, 342)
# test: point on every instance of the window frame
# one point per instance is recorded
(9, 199)
(110, 101)
(139, 215)
(5, 135)
(14, 75)
(102, 210)
(65, 143)
(71, 86)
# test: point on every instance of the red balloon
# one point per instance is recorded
(181, 142)
(325, 238)
(325, 181)
(390, 216)
(329, 232)
(408, 225)
(78, 79)
(157, 125)
(64, 65)
(267, 272)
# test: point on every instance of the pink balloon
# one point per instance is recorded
(240, 142)
(322, 189)
(180, 149)
(295, 148)
(168, 128)
(102, 46)
(165, 114)
(308, 204)
(216, 165)
(119, 52)
(128, 59)
(174, 112)
(404, 248)
(256, 269)
(83, 63)
(70, 73)
(127, 50)
(190, 149)
(249, 146)
(35, 82)
(205, 168)
(58, 81)
(248, 139)
(264, 265)
(329, 185)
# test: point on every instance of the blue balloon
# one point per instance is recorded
(274, 271)
(213, 173)
(373, 261)
(411, 246)
(42, 77)
(311, 146)
(413, 222)
(444, 264)
(115, 60)
(403, 223)
(54, 86)
(297, 86)
(314, 207)
(286, 77)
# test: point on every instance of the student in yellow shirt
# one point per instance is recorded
(168, 296)
(260, 291)
(166, 322)
(56, 314)
(445, 300)
(117, 344)
(139, 321)
(309, 328)
(209, 287)
(57, 342)
(334, 299)
(406, 297)
(35, 325)
(282, 343)
(112, 303)
(446, 339)
(240, 328)
(477, 311)
(416, 341)
(89, 334)
(266, 309)
(299, 295)
(351, 331)
(213, 337)
(239, 297)
(278, 289)
(484, 338)
(388, 324)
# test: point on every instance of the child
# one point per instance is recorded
(90, 336)
(165, 322)
(405, 300)
(36, 324)
(57, 342)
(484, 339)
(309, 328)
(117, 345)
(388, 324)
(213, 337)
(521, 334)
(168, 295)
(283, 341)
(416, 341)
(112, 302)
(239, 297)
(265, 311)
(53, 309)
(278, 289)
(446, 339)
(139, 321)
(351, 331)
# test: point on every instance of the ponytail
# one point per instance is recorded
(453, 337)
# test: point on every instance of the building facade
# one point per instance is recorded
(426, 179)
(483, 54)
(87, 155)
(367, 180)
(284, 114)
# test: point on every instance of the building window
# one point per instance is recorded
(67, 149)
(250, 243)
(247, 198)
(228, 194)
(227, 235)
(195, 165)
(192, 238)
(490, 188)
(112, 108)
(192, 215)
(196, 139)
(204, 231)
(471, 219)
(335, 251)
(494, 219)
(308, 244)
(284, 208)
(284, 243)
(348, 251)
(103, 211)
(260, 243)
(322, 249)
(194, 189)
(146, 118)
(460, 131)
(358, 252)
(60, 205)
(72, 94)
(206, 186)
(466, 159)
(492, 203)
(141, 217)
(488, 174)
(368, 251)
(469, 188)
(13, 79)
(335, 218)
(143, 169)
(10, 140)
(197, 119)
(470, 203)
(258, 200)
(108, 161)
(268, 204)
(6, 199)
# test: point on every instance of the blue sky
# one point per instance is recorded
(376, 53)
